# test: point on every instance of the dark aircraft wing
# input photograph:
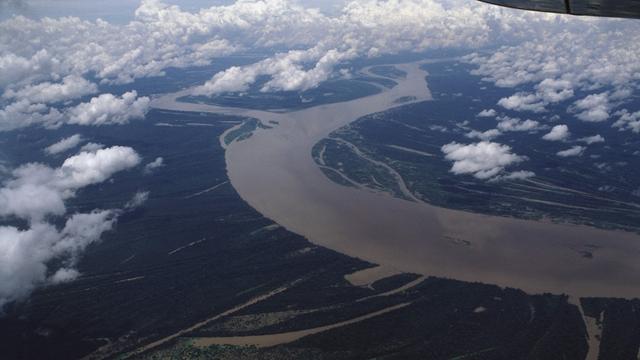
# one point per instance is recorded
(608, 8)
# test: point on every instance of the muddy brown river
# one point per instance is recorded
(274, 172)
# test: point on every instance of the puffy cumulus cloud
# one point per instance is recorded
(484, 160)
(592, 139)
(89, 168)
(35, 192)
(628, 121)
(71, 87)
(506, 124)
(593, 108)
(554, 90)
(573, 151)
(287, 72)
(233, 79)
(522, 102)
(548, 91)
(105, 109)
(487, 113)
(23, 113)
(585, 55)
(24, 254)
(160, 36)
(373, 28)
(28, 200)
(47, 54)
(108, 109)
(557, 133)
(18, 69)
(45, 60)
(590, 56)
(64, 144)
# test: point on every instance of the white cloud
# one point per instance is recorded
(523, 102)
(89, 168)
(484, 135)
(92, 147)
(593, 108)
(107, 109)
(64, 145)
(557, 133)
(516, 175)
(22, 69)
(287, 72)
(71, 87)
(592, 139)
(554, 90)
(484, 159)
(582, 55)
(47, 60)
(548, 91)
(163, 36)
(138, 200)
(514, 124)
(487, 113)
(373, 28)
(35, 192)
(23, 113)
(24, 254)
(64, 275)
(628, 121)
(155, 164)
(573, 151)
(586, 56)
(29, 200)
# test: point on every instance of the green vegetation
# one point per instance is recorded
(341, 161)
(328, 92)
(595, 190)
(242, 132)
(388, 71)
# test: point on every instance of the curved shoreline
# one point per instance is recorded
(275, 173)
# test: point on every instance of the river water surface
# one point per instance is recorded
(274, 172)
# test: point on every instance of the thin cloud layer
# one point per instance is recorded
(155, 164)
(592, 139)
(64, 145)
(573, 151)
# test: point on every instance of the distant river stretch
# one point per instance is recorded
(274, 172)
